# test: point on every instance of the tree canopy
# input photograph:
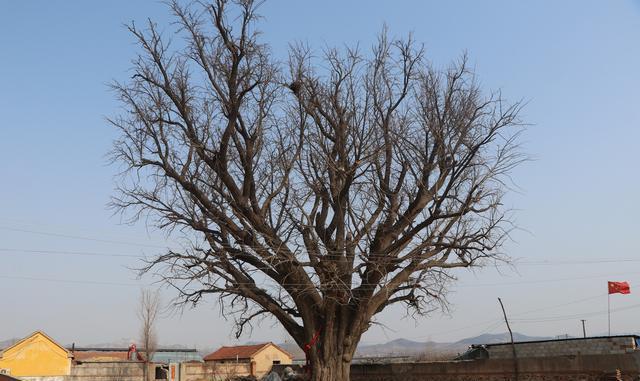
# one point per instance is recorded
(318, 190)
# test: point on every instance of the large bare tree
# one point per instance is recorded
(319, 191)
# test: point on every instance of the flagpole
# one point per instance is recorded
(609, 311)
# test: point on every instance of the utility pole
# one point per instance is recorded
(584, 330)
(513, 345)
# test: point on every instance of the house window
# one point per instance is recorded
(276, 362)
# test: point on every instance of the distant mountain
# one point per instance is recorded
(426, 349)
(398, 347)
(8, 343)
(493, 338)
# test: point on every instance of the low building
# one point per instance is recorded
(247, 360)
(161, 355)
(37, 355)
(164, 364)
(600, 345)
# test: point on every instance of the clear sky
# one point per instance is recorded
(575, 63)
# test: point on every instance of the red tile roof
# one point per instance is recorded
(237, 352)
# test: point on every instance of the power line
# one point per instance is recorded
(574, 316)
(274, 284)
(496, 322)
(67, 252)
(78, 253)
(82, 253)
(492, 323)
(73, 281)
(71, 236)
(543, 280)
(491, 326)
(559, 305)
(80, 237)
(514, 264)
(576, 262)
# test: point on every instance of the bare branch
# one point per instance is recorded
(318, 192)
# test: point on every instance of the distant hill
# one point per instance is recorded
(405, 347)
(8, 343)
(493, 338)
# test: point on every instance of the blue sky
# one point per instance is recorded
(574, 62)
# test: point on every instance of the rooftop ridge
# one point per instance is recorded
(559, 339)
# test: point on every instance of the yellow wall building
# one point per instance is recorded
(270, 355)
(244, 360)
(37, 355)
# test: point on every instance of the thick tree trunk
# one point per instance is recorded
(330, 359)
(331, 339)
(336, 369)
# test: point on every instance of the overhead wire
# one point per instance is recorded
(86, 253)
(603, 276)
(71, 236)
(64, 252)
(544, 280)
(122, 242)
(493, 322)
(498, 321)
(574, 316)
(72, 281)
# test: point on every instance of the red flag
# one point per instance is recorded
(619, 288)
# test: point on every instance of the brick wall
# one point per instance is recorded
(561, 368)
(589, 346)
(107, 371)
(197, 371)
(193, 372)
(565, 368)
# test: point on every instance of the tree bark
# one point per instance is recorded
(335, 371)
(330, 359)
(333, 368)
